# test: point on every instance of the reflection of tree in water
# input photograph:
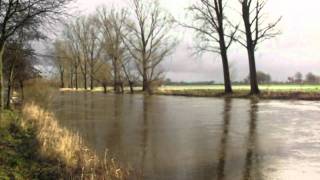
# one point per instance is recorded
(117, 122)
(224, 139)
(145, 132)
(251, 170)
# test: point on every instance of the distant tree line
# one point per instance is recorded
(262, 78)
(309, 78)
(170, 82)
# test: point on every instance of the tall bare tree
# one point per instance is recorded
(60, 61)
(213, 32)
(255, 31)
(112, 24)
(93, 46)
(149, 40)
(130, 72)
(28, 14)
(73, 47)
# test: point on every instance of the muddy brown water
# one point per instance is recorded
(183, 138)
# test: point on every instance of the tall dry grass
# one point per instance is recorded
(60, 144)
(69, 149)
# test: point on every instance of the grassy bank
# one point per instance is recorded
(18, 151)
(294, 92)
(33, 145)
(264, 87)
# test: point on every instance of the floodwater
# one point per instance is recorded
(183, 138)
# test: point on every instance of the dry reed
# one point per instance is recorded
(69, 149)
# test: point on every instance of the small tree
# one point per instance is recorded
(112, 25)
(261, 77)
(311, 78)
(298, 77)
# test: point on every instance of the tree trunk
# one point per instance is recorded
(104, 88)
(10, 82)
(145, 83)
(91, 77)
(116, 83)
(225, 63)
(61, 79)
(85, 76)
(122, 88)
(253, 73)
(8, 94)
(71, 79)
(76, 71)
(226, 72)
(250, 48)
(131, 87)
(223, 47)
(91, 71)
(91, 84)
(22, 90)
(2, 46)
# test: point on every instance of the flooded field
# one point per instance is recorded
(173, 138)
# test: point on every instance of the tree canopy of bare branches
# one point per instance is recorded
(112, 24)
(148, 39)
(25, 14)
(214, 32)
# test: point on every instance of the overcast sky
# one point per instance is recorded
(296, 49)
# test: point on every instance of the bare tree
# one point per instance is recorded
(28, 14)
(60, 61)
(82, 33)
(148, 39)
(74, 48)
(130, 72)
(93, 46)
(255, 31)
(112, 25)
(213, 32)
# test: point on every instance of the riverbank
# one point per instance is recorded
(276, 95)
(34, 146)
(276, 92)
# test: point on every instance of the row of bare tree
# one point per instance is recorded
(116, 46)
(134, 46)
